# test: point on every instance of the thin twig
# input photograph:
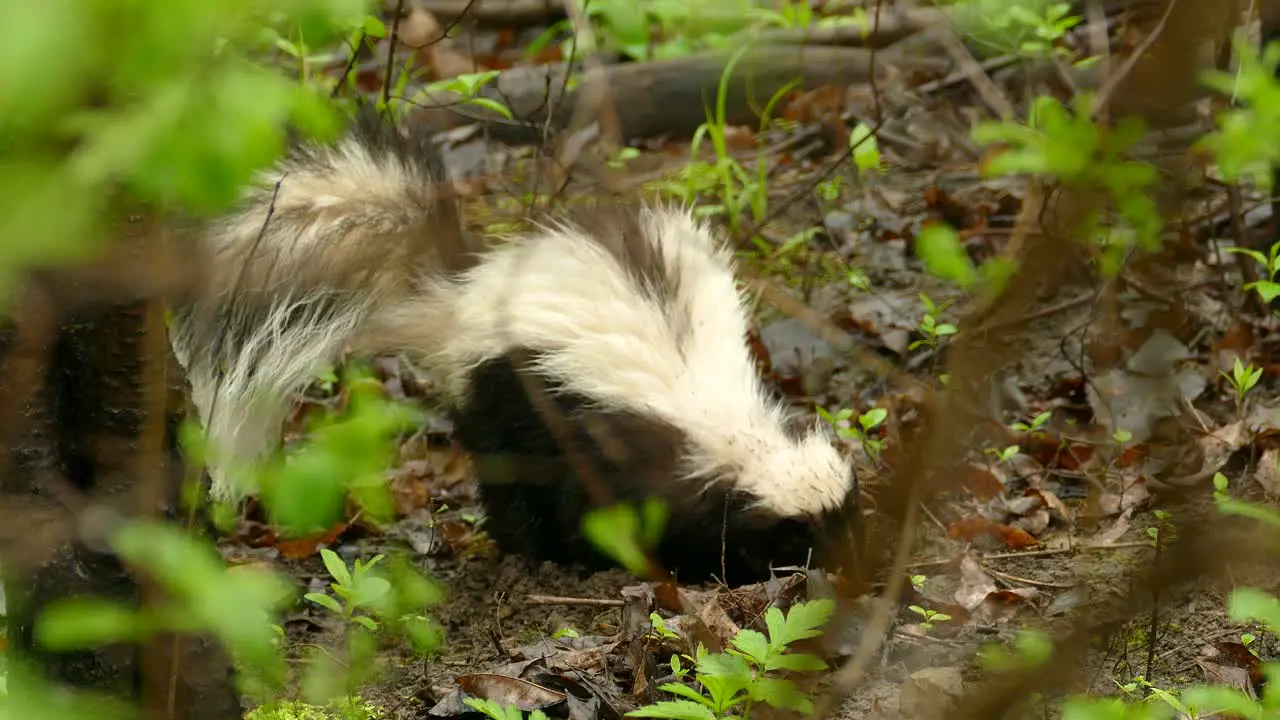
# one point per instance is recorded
(391, 53)
(587, 602)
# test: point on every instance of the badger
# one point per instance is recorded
(597, 359)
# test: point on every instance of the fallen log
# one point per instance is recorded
(665, 97)
(497, 12)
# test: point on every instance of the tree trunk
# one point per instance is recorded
(90, 401)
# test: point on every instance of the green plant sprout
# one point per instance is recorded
(467, 87)
(861, 430)
(678, 668)
(492, 710)
(1242, 379)
(865, 149)
(1163, 532)
(1268, 289)
(857, 279)
(622, 156)
(659, 630)
(1228, 505)
(930, 617)
(1147, 692)
(917, 582)
(1036, 427)
(741, 676)
(829, 190)
(1247, 640)
(358, 589)
(1004, 456)
(565, 632)
(929, 326)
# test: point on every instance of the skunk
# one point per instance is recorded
(584, 363)
(616, 348)
(315, 247)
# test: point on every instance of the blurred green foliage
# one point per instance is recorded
(164, 103)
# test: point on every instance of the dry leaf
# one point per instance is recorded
(506, 691)
(975, 583)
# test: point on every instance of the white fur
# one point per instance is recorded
(345, 219)
(561, 293)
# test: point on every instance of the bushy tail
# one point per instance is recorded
(318, 244)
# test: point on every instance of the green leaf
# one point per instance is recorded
(752, 644)
(781, 694)
(872, 418)
(324, 600)
(83, 623)
(799, 662)
(371, 591)
(1251, 604)
(674, 709)
(938, 247)
(723, 665)
(865, 149)
(374, 27)
(493, 105)
(681, 689)
(1266, 289)
(367, 622)
(805, 620)
(1221, 701)
(336, 567)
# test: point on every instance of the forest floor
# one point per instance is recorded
(1140, 419)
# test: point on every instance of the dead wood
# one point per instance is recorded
(668, 97)
(497, 12)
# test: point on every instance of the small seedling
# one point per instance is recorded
(492, 710)
(861, 431)
(1162, 533)
(1220, 485)
(917, 582)
(660, 630)
(1141, 687)
(1006, 455)
(678, 668)
(1242, 379)
(930, 617)
(1268, 289)
(1246, 639)
(865, 149)
(1035, 427)
(358, 588)
(624, 155)
(929, 326)
(565, 632)
(467, 87)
